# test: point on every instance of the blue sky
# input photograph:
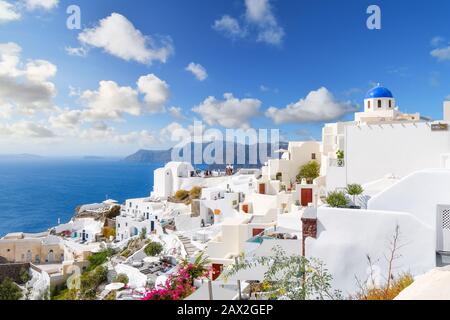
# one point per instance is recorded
(317, 55)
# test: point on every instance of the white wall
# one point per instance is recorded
(346, 236)
(373, 151)
(418, 193)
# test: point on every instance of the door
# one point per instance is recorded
(262, 188)
(257, 232)
(443, 228)
(216, 270)
(245, 208)
(152, 226)
(306, 196)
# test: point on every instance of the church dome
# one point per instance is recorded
(379, 92)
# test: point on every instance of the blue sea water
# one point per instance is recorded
(35, 193)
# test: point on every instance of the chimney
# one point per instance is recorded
(447, 110)
(309, 226)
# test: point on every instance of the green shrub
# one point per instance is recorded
(122, 278)
(89, 282)
(354, 190)
(309, 171)
(9, 290)
(99, 258)
(24, 275)
(153, 249)
(337, 199)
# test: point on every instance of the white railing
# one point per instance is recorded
(340, 163)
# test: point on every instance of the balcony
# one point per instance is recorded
(339, 163)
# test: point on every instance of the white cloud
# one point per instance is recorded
(8, 12)
(118, 37)
(41, 4)
(26, 129)
(258, 17)
(319, 105)
(156, 92)
(437, 41)
(110, 102)
(176, 112)
(230, 27)
(67, 119)
(259, 12)
(197, 70)
(25, 86)
(229, 113)
(77, 51)
(441, 54)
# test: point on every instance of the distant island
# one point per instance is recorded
(93, 158)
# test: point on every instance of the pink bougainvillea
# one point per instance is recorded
(178, 285)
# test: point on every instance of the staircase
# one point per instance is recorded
(188, 246)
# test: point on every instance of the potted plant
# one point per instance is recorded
(354, 190)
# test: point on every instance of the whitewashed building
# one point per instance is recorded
(137, 215)
(383, 141)
(171, 178)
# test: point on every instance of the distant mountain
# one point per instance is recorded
(164, 156)
(23, 156)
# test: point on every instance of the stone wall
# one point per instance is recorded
(12, 270)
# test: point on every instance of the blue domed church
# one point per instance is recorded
(380, 105)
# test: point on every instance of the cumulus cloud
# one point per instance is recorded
(176, 112)
(230, 27)
(319, 105)
(8, 12)
(197, 70)
(118, 36)
(258, 17)
(230, 112)
(441, 54)
(27, 129)
(156, 92)
(110, 102)
(259, 13)
(66, 119)
(41, 4)
(25, 86)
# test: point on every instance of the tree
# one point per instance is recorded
(9, 290)
(153, 249)
(198, 268)
(337, 199)
(309, 171)
(354, 190)
(291, 277)
(99, 258)
(24, 275)
(143, 233)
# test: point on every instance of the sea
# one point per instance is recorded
(34, 194)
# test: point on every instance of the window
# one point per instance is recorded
(368, 105)
(9, 250)
(390, 104)
(379, 103)
(313, 156)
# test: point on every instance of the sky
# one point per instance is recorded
(133, 73)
